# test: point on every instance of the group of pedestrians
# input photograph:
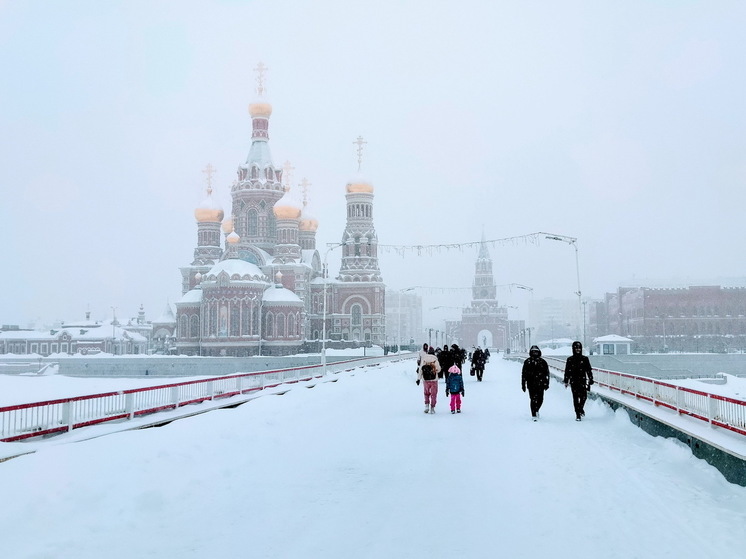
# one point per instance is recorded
(447, 363)
(433, 364)
(578, 376)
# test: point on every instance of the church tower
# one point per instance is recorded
(358, 295)
(258, 186)
(485, 322)
(360, 250)
(208, 214)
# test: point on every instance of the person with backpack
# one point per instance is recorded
(579, 375)
(427, 372)
(455, 387)
(535, 376)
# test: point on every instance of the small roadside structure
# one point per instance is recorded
(612, 345)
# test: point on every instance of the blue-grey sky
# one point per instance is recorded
(619, 123)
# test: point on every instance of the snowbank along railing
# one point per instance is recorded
(36, 419)
(718, 411)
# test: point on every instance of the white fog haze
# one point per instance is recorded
(619, 124)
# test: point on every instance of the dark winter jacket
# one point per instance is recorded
(578, 370)
(535, 373)
(445, 359)
(455, 384)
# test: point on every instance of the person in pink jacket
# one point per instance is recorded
(427, 372)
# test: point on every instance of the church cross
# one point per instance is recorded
(260, 70)
(304, 184)
(209, 171)
(359, 142)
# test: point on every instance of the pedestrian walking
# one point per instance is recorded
(427, 372)
(477, 363)
(455, 387)
(535, 377)
(579, 375)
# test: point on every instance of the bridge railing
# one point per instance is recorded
(718, 411)
(50, 417)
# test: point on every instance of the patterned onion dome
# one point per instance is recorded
(287, 207)
(233, 238)
(209, 210)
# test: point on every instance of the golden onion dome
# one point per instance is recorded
(209, 211)
(287, 207)
(228, 226)
(359, 184)
(307, 221)
(233, 238)
(260, 108)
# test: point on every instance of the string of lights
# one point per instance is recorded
(434, 249)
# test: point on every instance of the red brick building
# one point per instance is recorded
(695, 318)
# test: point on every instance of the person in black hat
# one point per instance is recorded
(535, 376)
(579, 375)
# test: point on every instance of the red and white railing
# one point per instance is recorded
(24, 421)
(718, 411)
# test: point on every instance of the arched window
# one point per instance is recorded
(252, 223)
(357, 315)
(269, 327)
(280, 325)
(183, 331)
(235, 320)
(292, 325)
(194, 327)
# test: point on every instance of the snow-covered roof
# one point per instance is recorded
(259, 155)
(612, 338)
(280, 294)
(193, 296)
(236, 269)
(167, 317)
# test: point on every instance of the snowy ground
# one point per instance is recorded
(354, 469)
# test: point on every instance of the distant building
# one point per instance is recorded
(84, 338)
(695, 318)
(485, 322)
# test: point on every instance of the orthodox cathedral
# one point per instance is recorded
(256, 285)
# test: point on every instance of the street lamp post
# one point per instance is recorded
(323, 321)
(574, 242)
(398, 315)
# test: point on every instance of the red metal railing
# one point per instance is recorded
(36, 419)
(718, 411)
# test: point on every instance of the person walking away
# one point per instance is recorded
(477, 363)
(455, 387)
(428, 374)
(579, 375)
(445, 360)
(535, 377)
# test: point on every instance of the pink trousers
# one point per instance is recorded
(455, 401)
(431, 392)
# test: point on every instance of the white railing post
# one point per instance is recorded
(67, 415)
(129, 405)
(175, 396)
(712, 409)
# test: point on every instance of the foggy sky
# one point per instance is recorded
(619, 123)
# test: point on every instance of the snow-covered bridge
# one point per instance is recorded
(353, 468)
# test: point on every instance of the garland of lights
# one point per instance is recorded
(431, 250)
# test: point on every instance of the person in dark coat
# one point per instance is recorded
(459, 356)
(446, 360)
(477, 363)
(535, 377)
(579, 375)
